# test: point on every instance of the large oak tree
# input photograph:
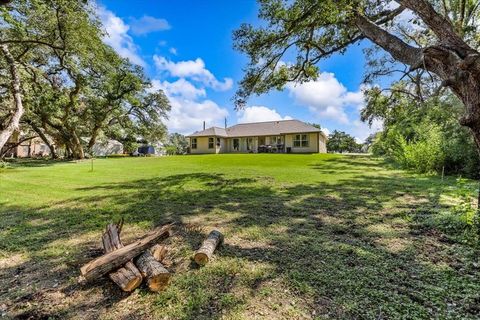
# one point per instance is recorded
(312, 30)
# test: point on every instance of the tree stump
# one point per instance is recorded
(204, 254)
(117, 258)
(153, 271)
(127, 277)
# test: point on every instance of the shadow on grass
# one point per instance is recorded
(34, 162)
(344, 250)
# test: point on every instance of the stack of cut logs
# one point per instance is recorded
(129, 265)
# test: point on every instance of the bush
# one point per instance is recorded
(426, 155)
(122, 155)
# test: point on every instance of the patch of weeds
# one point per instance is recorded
(458, 222)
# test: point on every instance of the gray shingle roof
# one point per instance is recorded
(259, 129)
(213, 131)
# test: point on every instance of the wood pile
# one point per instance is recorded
(140, 261)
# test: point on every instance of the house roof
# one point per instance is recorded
(213, 131)
(259, 129)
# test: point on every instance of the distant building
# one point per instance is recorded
(107, 147)
(31, 148)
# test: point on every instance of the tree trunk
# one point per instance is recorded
(204, 254)
(115, 259)
(51, 146)
(17, 97)
(127, 277)
(78, 152)
(476, 135)
(155, 273)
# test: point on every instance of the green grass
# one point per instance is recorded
(306, 236)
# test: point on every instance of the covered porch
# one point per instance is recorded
(257, 144)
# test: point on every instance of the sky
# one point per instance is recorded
(186, 49)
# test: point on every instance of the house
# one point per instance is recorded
(290, 136)
(15, 147)
(107, 147)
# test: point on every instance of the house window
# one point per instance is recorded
(218, 142)
(276, 140)
(194, 143)
(236, 144)
(210, 143)
(301, 140)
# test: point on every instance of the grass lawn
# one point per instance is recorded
(306, 237)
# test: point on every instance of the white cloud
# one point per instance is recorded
(187, 116)
(361, 130)
(326, 131)
(117, 36)
(193, 69)
(326, 97)
(173, 51)
(181, 88)
(259, 114)
(189, 110)
(148, 24)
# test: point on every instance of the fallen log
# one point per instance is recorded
(127, 277)
(153, 271)
(115, 259)
(204, 254)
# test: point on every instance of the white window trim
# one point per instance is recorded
(307, 139)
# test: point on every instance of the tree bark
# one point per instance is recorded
(14, 122)
(127, 277)
(204, 254)
(115, 259)
(51, 146)
(153, 271)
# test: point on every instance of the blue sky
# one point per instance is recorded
(186, 49)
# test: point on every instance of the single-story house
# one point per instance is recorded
(107, 147)
(30, 148)
(289, 136)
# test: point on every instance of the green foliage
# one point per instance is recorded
(339, 141)
(177, 144)
(75, 86)
(423, 136)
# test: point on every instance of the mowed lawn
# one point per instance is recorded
(306, 237)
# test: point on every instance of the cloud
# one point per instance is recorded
(193, 69)
(189, 110)
(179, 88)
(326, 97)
(361, 130)
(148, 24)
(117, 36)
(259, 114)
(326, 131)
(173, 51)
(187, 116)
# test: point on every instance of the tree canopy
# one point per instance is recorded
(439, 40)
(73, 87)
(339, 141)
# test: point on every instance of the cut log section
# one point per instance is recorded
(159, 252)
(204, 254)
(153, 271)
(115, 259)
(127, 277)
